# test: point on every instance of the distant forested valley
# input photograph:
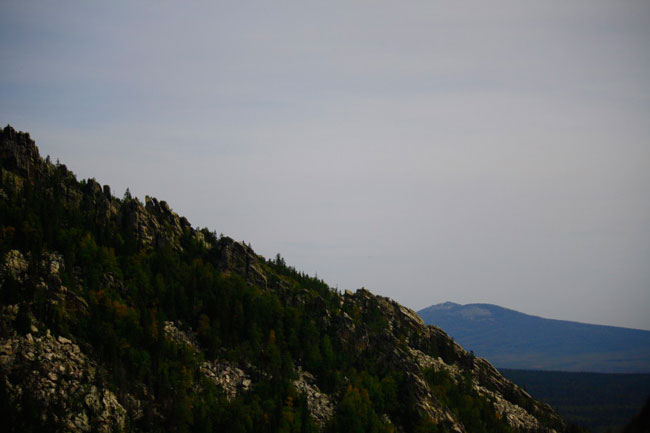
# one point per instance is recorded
(598, 401)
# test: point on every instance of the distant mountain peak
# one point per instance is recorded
(473, 312)
(444, 306)
(477, 312)
(511, 339)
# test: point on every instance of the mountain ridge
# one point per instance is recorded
(120, 315)
(512, 339)
(450, 304)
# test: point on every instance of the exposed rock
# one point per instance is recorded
(232, 380)
(19, 153)
(155, 225)
(60, 379)
(47, 280)
(201, 238)
(173, 333)
(402, 323)
(490, 379)
(105, 206)
(14, 266)
(53, 263)
(515, 416)
(112, 283)
(240, 259)
(320, 404)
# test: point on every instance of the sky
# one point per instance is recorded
(432, 151)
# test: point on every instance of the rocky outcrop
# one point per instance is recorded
(240, 259)
(321, 406)
(44, 373)
(99, 199)
(14, 267)
(173, 333)
(153, 224)
(19, 153)
(45, 280)
(231, 379)
(392, 328)
(490, 381)
(53, 374)
(400, 341)
(516, 416)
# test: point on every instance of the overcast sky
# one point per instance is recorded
(430, 151)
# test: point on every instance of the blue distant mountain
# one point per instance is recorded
(510, 339)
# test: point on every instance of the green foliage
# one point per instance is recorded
(356, 414)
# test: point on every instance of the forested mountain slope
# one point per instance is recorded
(510, 339)
(117, 315)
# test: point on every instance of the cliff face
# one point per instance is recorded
(118, 315)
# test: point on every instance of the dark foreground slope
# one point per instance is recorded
(510, 339)
(599, 401)
(117, 315)
(641, 422)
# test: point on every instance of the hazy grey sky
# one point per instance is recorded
(430, 151)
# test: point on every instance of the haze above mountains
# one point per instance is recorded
(511, 339)
(494, 151)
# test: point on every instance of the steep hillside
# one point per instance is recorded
(510, 339)
(117, 315)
